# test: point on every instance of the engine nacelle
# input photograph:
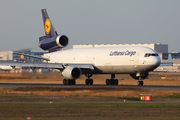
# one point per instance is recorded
(56, 42)
(71, 73)
(143, 76)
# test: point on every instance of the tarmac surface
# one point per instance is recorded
(151, 87)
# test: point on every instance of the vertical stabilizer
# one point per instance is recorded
(48, 26)
(51, 41)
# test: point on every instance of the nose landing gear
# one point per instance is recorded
(140, 83)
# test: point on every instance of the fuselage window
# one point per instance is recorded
(150, 54)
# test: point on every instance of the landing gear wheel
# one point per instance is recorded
(107, 81)
(69, 82)
(116, 82)
(140, 83)
(89, 81)
(64, 82)
(111, 82)
(72, 82)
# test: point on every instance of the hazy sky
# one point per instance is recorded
(91, 22)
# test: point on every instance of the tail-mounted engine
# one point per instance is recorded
(142, 75)
(56, 42)
(71, 73)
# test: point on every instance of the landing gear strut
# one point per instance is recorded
(140, 82)
(69, 82)
(88, 81)
(112, 81)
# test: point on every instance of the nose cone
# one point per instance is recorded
(154, 62)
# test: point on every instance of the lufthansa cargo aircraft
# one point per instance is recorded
(134, 60)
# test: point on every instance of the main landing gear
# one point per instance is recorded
(69, 82)
(112, 81)
(89, 81)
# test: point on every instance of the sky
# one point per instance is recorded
(91, 22)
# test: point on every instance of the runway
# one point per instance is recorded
(16, 85)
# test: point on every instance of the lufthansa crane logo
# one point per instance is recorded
(47, 26)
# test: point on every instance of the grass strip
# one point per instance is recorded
(89, 111)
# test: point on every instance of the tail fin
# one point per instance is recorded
(51, 41)
(48, 26)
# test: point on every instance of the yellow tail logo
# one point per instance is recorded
(47, 26)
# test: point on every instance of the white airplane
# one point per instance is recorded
(6, 68)
(134, 60)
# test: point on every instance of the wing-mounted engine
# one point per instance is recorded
(56, 42)
(142, 75)
(71, 73)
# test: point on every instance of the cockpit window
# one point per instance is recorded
(150, 54)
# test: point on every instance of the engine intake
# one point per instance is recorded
(62, 41)
(56, 42)
(71, 73)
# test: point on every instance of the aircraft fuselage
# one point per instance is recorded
(110, 60)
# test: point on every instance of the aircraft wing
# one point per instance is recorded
(47, 65)
(166, 64)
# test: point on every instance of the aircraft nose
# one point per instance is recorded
(156, 61)
(153, 62)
